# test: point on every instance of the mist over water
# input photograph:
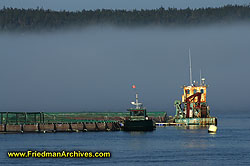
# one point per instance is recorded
(93, 69)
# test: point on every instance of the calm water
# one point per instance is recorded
(170, 145)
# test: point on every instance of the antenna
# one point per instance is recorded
(200, 77)
(190, 68)
(136, 103)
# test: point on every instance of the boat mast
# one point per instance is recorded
(136, 101)
(190, 68)
(200, 77)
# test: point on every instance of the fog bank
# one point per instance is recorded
(93, 69)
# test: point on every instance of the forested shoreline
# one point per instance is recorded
(13, 19)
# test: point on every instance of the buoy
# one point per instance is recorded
(212, 129)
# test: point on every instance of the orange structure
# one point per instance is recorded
(191, 90)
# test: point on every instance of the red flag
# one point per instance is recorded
(133, 86)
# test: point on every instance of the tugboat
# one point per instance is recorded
(193, 109)
(138, 119)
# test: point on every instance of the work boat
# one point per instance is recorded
(193, 108)
(138, 119)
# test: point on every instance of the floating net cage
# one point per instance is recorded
(67, 117)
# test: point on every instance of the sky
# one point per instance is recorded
(74, 5)
(93, 69)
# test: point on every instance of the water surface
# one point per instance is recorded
(164, 146)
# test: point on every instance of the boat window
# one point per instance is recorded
(188, 91)
(194, 91)
(202, 90)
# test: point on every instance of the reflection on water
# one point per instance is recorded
(139, 140)
(136, 133)
(212, 133)
(192, 127)
(194, 143)
(195, 137)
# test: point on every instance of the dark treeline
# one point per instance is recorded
(37, 19)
